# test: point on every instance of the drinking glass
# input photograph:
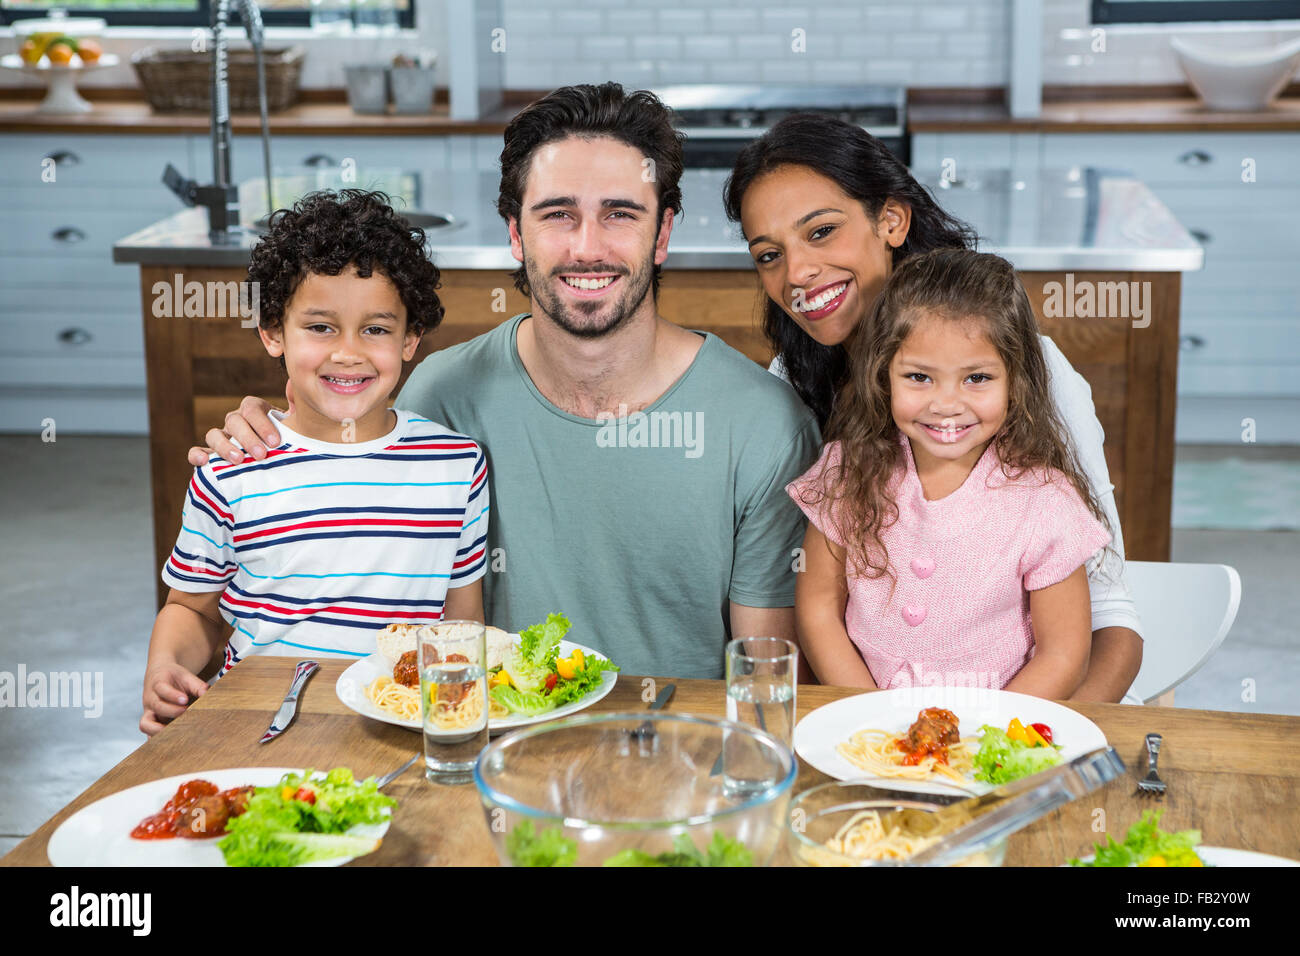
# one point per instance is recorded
(761, 680)
(453, 698)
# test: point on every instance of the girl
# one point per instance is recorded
(950, 521)
(829, 213)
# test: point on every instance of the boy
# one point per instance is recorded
(363, 516)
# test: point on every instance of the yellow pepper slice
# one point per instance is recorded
(1035, 738)
(1016, 731)
(566, 668)
(579, 661)
(501, 678)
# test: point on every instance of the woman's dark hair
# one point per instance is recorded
(864, 168)
(324, 233)
(638, 119)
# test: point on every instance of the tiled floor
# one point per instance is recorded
(77, 586)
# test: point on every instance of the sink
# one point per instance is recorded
(1237, 79)
(427, 221)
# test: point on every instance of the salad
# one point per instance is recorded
(1018, 751)
(1145, 844)
(534, 679)
(550, 847)
(301, 820)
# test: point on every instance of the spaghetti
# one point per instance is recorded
(404, 702)
(864, 837)
(883, 754)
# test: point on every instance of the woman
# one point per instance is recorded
(828, 212)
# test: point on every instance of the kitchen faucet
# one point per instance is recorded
(221, 197)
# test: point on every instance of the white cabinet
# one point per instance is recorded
(69, 316)
(1237, 194)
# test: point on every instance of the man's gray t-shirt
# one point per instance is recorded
(640, 529)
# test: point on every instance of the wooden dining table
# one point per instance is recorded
(1233, 776)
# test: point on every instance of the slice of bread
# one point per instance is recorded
(396, 639)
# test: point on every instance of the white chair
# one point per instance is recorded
(1186, 611)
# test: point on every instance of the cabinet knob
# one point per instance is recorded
(1190, 343)
(68, 234)
(319, 160)
(75, 336)
(1195, 157)
(1200, 235)
(64, 157)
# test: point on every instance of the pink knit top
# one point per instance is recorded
(964, 564)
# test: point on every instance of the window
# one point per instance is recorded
(169, 13)
(1184, 11)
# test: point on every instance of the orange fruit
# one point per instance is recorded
(60, 54)
(89, 50)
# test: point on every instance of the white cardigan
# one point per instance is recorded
(1112, 606)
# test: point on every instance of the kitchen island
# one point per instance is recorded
(1099, 255)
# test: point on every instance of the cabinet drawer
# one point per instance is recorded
(68, 231)
(74, 335)
(1239, 379)
(1244, 341)
(1180, 157)
(1247, 222)
(76, 371)
(90, 160)
(54, 273)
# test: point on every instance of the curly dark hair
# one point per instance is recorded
(865, 169)
(638, 119)
(324, 233)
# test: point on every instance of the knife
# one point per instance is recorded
(284, 716)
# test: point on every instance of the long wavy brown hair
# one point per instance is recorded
(953, 285)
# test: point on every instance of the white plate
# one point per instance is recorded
(1227, 856)
(820, 732)
(100, 834)
(352, 683)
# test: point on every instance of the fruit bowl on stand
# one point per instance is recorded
(62, 97)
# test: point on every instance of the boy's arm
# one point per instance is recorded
(464, 603)
(1061, 615)
(186, 634)
(821, 594)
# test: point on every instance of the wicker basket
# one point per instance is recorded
(180, 80)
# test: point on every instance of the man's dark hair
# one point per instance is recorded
(325, 232)
(638, 119)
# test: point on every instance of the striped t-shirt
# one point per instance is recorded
(320, 545)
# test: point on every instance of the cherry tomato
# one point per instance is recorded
(305, 795)
(1044, 731)
(551, 680)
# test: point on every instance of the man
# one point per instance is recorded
(638, 468)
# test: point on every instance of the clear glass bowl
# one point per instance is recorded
(633, 789)
(818, 815)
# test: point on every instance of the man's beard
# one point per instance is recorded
(575, 317)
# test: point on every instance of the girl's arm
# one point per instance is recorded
(464, 603)
(186, 635)
(821, 594)
(1061, 616)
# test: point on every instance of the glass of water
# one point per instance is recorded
(453, 698)
(762, 673)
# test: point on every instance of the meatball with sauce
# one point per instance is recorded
(205, 817)
(406, 671)
(934, 728)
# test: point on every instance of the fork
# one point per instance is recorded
(1152, 784)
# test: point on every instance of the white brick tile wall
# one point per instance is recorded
(918, 42)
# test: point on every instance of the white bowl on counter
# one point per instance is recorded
(1237, 79)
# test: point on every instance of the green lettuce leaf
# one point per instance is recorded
(1001, 759)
